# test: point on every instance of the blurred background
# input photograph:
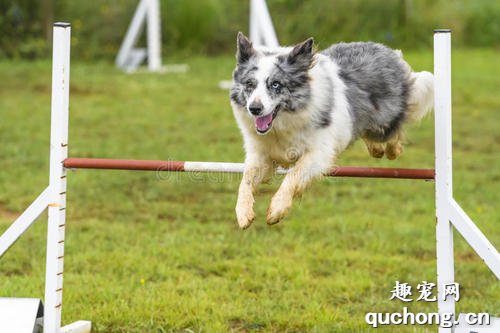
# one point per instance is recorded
(150, 252)
(208, 26)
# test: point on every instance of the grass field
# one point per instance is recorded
(149, 252)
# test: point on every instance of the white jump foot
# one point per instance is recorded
(81, 326)
(225, 84)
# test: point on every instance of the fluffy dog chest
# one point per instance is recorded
(285, 148)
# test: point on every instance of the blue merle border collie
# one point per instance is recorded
(299, 109)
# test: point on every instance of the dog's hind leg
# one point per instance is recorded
(309, 167)
(376, 149)
(394, 146)
(256, 171)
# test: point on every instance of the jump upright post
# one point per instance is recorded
(54, 196)
(448, 212)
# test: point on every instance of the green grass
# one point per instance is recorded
(162, 253)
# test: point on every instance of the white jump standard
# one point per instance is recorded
(54, 196)
(448, 212)
(129, 57)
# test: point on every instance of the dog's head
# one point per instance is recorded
(269, 81)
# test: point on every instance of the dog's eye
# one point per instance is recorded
(276, 86)
(249, 84)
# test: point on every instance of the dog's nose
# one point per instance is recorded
(255, 108)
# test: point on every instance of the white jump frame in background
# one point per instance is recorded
(448, 212)
(261, 25)
(262, 31)
(129, 58)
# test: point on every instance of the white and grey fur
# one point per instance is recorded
(320, 103)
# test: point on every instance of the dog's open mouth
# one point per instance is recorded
(265, 123)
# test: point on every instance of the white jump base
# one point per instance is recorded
(449, 214)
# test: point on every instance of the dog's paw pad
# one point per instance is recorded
(392, 152)
(245, 217)
(278, 210)
(244, 223)
(376, 151)
(273, 219)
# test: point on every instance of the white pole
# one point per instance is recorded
(254, 29)
(442, 107)
(265, 24)
(154, 35)
(57, 179)
(261, 25)
(132, 34)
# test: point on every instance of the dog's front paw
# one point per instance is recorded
(245, 213)
(394, 150)
(279, 208)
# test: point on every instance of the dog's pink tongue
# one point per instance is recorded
(263, 123)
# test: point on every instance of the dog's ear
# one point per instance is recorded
(302, 54)
(245, 49)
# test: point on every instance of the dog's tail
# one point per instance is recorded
(421, 99)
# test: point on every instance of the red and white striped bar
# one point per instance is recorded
(190, 166)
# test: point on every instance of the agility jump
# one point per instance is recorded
(53, 198)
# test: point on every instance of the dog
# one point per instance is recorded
(298, 108)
